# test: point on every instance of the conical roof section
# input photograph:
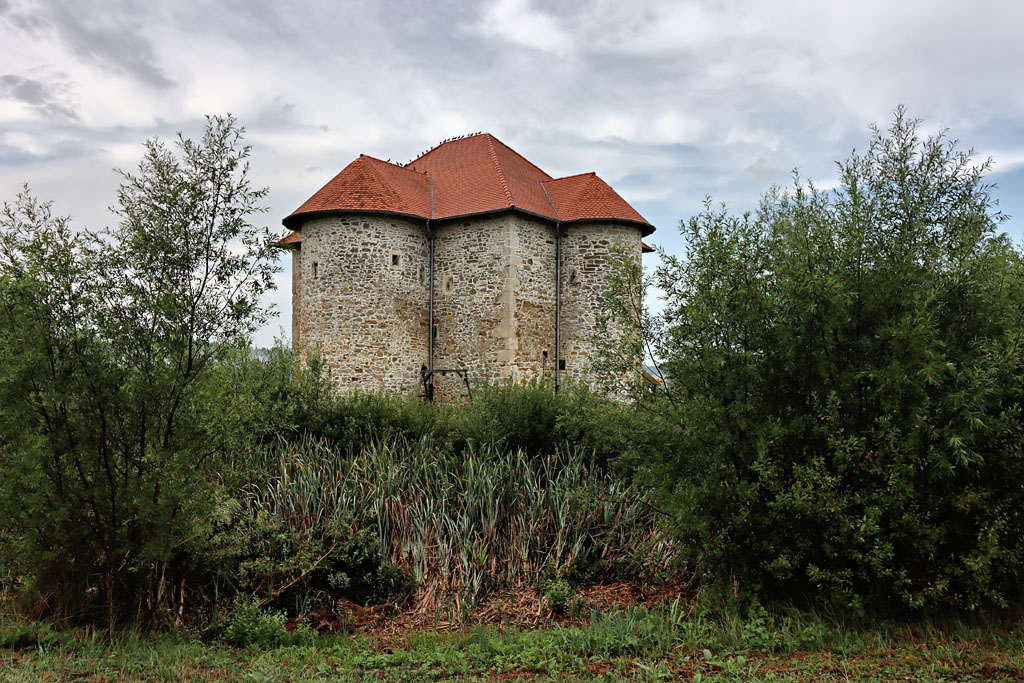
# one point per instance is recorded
(464, 177)
(587, 197)
(372, 185)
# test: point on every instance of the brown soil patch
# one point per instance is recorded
(520, 608)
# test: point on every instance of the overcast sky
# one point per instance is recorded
(667, 101)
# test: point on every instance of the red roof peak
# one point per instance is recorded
(464, 176)
(497, 165)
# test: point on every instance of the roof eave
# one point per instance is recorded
(645, 228)
(295, 220)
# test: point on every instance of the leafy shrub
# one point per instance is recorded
(249, 624)
(295, 566)
(348, 421)
(558, 594)
(106, 340)
(846, 385)
(509, 416)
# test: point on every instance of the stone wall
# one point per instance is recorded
(360, 295)
(297, 313)
(534, 263)
(587, 258)
(363, 299)
(494, 304)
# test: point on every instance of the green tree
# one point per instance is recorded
(106, 339)
(845, 380)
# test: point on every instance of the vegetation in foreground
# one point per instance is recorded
(840, 427)
(667, 642)
(846, 376)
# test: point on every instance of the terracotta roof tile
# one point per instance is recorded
(369, 184)
(470, 175)
(585, 196)
(292, 238)
(481, 173)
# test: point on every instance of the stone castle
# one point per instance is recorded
(467, 263)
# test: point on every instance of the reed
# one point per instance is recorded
(462, 524)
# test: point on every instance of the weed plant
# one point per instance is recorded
(669, 642)
(456, 524)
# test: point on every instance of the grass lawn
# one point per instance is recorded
(631, 644)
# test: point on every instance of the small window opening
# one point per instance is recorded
(434, 332)
(561, 364)
(315, 264)
(395, 258)
(449, 285)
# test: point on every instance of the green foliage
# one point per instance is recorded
(296, 566)
(458, 525)
(845, 381)
(559, 595)
(107, 338)
(531, 418)
(661, 643)
(350, 419)
(509, 416)
(250, 625)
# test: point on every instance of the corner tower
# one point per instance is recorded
(467, 263)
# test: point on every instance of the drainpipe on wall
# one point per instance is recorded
(430, 305)
(558, 304)
(430, 284)
(558, 290)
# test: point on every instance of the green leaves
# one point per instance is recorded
(845, 369)
(105, 338)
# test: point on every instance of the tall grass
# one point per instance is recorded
(463, 524)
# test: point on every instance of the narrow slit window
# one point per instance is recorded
(315, 264)
(561, 364)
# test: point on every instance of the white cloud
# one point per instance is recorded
(519, 23)
(666, 100)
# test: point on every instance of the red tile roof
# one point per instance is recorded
(287, 242)
(471, 175)
(585, 196)
(369, 184)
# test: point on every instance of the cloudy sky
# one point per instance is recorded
(668, 101)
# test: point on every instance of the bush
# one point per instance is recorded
(846, 383)
(296, 566)
(106, 340)
(531, 418)
(249, 624)
(401, 515)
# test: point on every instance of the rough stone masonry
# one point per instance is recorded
(485, 226)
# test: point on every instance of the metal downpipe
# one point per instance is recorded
(430, 285)
(558, 305)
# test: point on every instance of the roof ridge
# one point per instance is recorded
(391, 163)
(574, 175)
(494, 138)
(501, 172)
